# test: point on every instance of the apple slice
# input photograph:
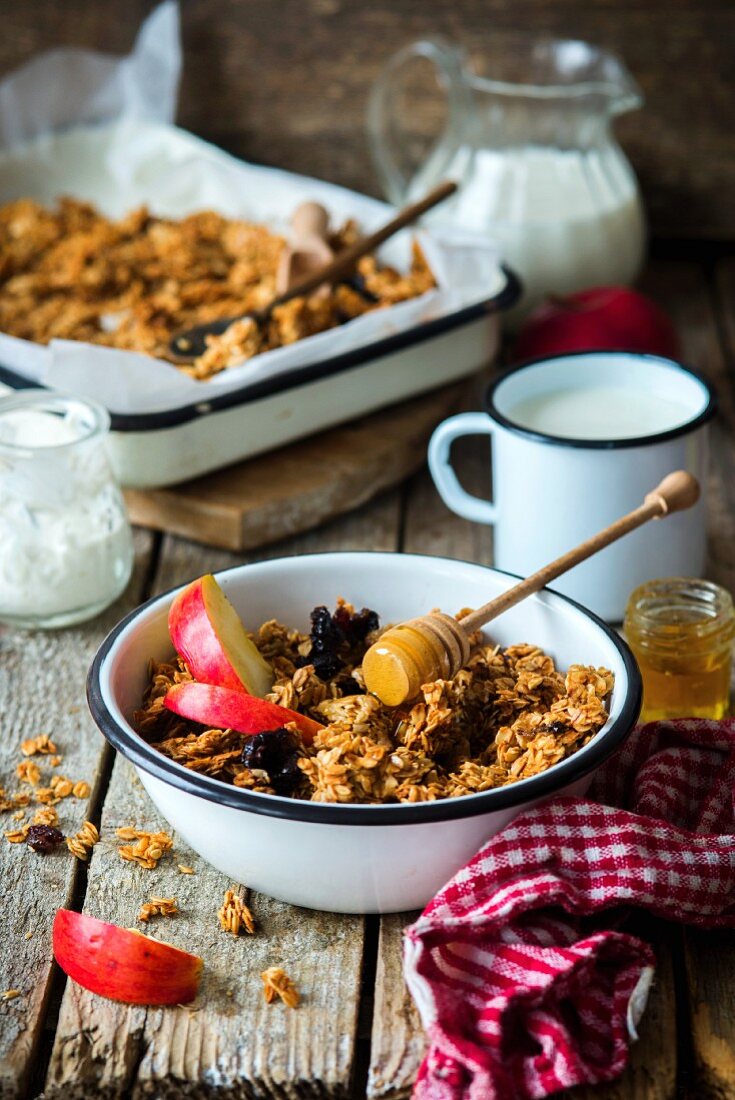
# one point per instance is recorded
(122, 964)
(207, 632)
(225, 709)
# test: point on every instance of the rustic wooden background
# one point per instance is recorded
(284, 82)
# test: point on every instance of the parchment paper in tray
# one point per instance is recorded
(84, 124)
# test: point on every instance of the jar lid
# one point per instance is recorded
(663, 610)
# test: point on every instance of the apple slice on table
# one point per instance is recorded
(223, 708)
(123, 964)
(208, 633)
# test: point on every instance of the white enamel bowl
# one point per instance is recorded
(344, 858)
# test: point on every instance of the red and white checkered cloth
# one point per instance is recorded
(523, 986)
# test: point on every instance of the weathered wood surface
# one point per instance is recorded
(287, 84)
(233, 1043)
(710, 958)
(42, 681)
(294, 489)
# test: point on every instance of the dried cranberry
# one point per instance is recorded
(355, 628)
(44, 838)
(275, 752)
(325, 631)
(330, 632)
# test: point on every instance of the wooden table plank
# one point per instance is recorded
(398, 1042)
(42, 682)
(710, 957)
(234, 1044)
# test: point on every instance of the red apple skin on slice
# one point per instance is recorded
(208, 633)
(222, 708)
(123, 965)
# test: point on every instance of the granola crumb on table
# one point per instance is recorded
(82, 843)
(276, 983)
(147, 850)
(41, 744)
(158, 907)
(235, 914)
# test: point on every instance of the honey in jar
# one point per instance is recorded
(681, 632)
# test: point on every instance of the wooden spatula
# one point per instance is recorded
(437, 645)
(308, 248)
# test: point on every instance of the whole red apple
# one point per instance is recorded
(612, 318)
(122, 964)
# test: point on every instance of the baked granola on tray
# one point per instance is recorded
(71, 273)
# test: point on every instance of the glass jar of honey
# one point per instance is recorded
(681, 632)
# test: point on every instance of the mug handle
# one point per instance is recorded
(440, 465)
(384, 132)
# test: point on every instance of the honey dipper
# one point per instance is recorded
(437, 646)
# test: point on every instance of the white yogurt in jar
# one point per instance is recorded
(65, 541)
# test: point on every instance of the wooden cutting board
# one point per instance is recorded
(299, 486)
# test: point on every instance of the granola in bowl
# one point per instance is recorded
(508, 715)
(69, 272)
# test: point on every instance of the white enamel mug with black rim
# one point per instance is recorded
(352, 858)
(551, 493)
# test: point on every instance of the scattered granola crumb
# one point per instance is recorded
(235, 914)
(82, 843)
(45, 816)
(149, 848)
(229, 993)
(158, 907)
(41, 744)
(276, 983)
(46, 795)
(17, 836)
(28, 772)
(61, 786)
(28, 935)
(185, 870)
(81, 789)
(10, 994)
(55, 761)
(13, 801)
(19, 815)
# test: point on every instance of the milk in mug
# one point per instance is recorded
(599, 412)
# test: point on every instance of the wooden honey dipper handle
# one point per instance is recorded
(676, 492)
(436, 645)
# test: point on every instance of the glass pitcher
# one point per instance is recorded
(532, 148)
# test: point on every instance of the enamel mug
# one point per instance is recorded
(555, 483)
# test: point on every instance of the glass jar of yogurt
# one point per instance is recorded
(66, 548)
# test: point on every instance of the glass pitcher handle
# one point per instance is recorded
(384, 131)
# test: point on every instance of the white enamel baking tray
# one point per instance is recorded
(167, 445)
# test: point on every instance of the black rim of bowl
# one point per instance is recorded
(547, 783)
(601, 444)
